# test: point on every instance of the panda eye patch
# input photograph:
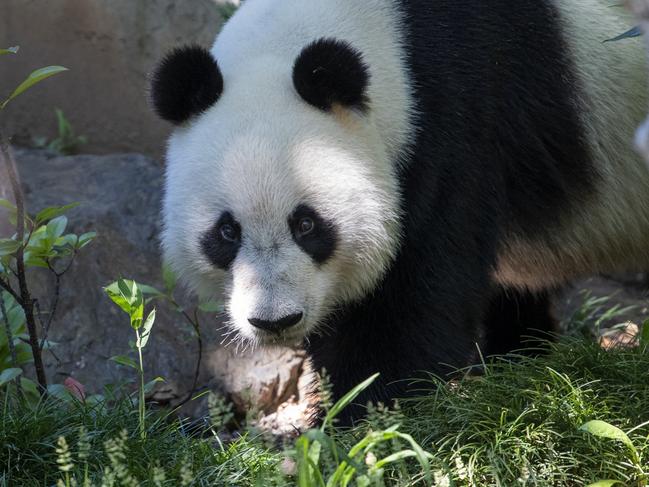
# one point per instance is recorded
(221, 243)
(312, 233)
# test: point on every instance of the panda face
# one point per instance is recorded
(289, 197)
(298, 217)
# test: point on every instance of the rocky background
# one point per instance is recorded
(110, 46)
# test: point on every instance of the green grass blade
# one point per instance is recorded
(346, 400)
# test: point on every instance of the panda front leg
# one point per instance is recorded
(518, 320)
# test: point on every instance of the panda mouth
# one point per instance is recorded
(290, 337)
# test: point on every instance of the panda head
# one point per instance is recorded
(276, 179)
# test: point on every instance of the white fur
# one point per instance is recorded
(260, 151)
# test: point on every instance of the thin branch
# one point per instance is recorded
(5, 285)
(57, 293)
(27, 302)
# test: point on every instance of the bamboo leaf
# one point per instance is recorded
(35, 77)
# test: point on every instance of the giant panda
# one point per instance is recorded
(401, 185)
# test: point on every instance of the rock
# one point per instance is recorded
(119, 198)
(262, 379)
(109, 46)
(622, 336)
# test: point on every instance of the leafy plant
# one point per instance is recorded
(66, 142)
(15, 252)
(602, 429)
(128, 296)
(191, 316)
(359, 462)
(46, 246)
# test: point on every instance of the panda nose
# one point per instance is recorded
(276, 326)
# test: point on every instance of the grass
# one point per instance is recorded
(517, 424)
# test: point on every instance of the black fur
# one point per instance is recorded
(518, 320)
(220, 251)
(185, 83)
(329, 71)
(499, 150)
(320, 244)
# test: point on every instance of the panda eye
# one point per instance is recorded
(228, 233)
(305, 226)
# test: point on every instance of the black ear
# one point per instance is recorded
(185, 83)
(329, 71)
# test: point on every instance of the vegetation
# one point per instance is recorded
(66, 142)
(524, 421)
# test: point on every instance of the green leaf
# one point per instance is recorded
(118, 298)
(56, 227)
(606, 483)
(9, 50)
(52, 212)
(85, 239)
(146, 330)
(346, 400)
(128, 296)
(7, 204)
(8, 246)
(126, 361)
(32, 260)
(8, 375)
(35, 77)
(149, 385)
(602, 429)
